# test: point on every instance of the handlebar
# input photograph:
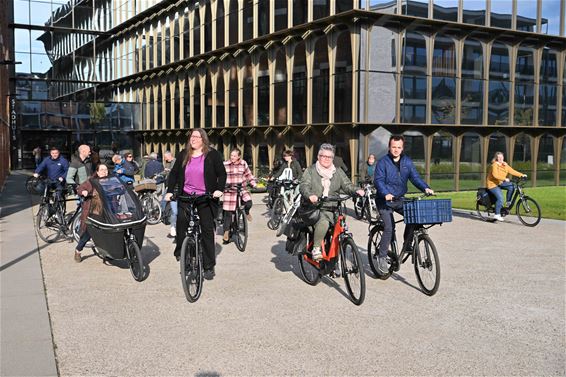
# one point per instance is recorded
(191, 198)
(419, 197)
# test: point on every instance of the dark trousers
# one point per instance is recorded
(228, 214)
(85, 237)
(386, 211)
(207, 212)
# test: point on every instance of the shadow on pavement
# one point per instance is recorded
(282, 260)
(14, 196)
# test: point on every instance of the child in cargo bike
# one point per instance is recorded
(391, 176)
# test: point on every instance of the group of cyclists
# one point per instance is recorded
(199, 169)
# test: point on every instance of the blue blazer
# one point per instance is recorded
(390, 180)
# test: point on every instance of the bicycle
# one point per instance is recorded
(191, 249)
(151, 205)
(239, 224)
(423, 253)
(340, 255)
(51, 218)
(289, 191)
(365, 207)
(527, 209)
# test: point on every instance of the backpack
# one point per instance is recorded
(483, 197)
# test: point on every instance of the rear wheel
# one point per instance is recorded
(136, 261)
(152, 209)
(528, 211)
(241, 230)
(353, 271)
(76, 228)
(310, 273)
(427, 267)
(191, 269)
(46, 224)
(484, 213)
(277, 213)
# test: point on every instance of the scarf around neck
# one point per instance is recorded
(326, 174)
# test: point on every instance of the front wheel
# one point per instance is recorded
(152, 209)
(191, 269)
(359, 208)
(240, 230)
(76, 228)
(528, 211)
(353, 271)
(277, 213)
(46, 224)
(427, 267)
(136, 261)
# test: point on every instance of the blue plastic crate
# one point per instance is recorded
(431, 211)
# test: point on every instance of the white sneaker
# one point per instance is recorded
(173, 232)
(316, 253)
(498, 218)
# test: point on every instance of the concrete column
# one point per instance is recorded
(213, 12)
(226, 145)
(255, 69)
(512, 63)
(537, 62)
(255, 155)
(155, 111)
(271, 65)
(172, 38)
(214, 89)
(270, 151)
(241, 66)
(202, 10)
(309, 148)
(429, 41)
(226, 78)
(456, 155)
(309, 55)
(192, 100)
(182, 102)
(202, 79)
(535, 141)
(427, 156)
(181, 35)
(354, 148)
(332, 37)
(459, 45)
(289, 50)
(174, 115)
(163, 125)
(148, 120)
(484, 140)
(558, 142)
(355, 37)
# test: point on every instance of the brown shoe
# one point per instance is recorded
(78, 258)
(226, 238)
(249, 217)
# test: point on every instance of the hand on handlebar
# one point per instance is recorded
(168, 197)
(360, 192)
(84, 193)
(35, 175)
(429, 191)
(217, 194)
(313, 198)
(389, 197)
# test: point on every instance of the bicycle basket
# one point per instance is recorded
(308, 214)
(145, 186)
(431, 211)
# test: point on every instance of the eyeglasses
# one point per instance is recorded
(196, 137)
(129, 156)
(325, 156)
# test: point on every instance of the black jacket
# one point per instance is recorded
(214, 173)
(295, 168)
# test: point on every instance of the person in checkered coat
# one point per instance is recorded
(238, 172)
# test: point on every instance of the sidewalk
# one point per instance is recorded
(27, 345)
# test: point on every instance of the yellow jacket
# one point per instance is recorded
(498, 173)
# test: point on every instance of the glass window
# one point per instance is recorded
(343, 6)
(524, 70)
(472, 102)
(522, 154)
(382, 90)
(207, 28)
(299, 86)
(474, 12)
(443, 60)
(501, 11)
(300, 9)
(472, 62)
(442, 167)
(343, 79)
(320, 8)
(417, 8)
(263, 91)
(498, 105)
(248, 20)
(547, 105)
(196, 32)
(384, 6)
(443, 100)
(470, 162)
(233, 96)
(496, 144)
(21, 12)
(414, 54)
(281, 14)
(220, 25)
(524, 93)
(197, 98)
(499, 63)
(550, 23)
(548, 67)
(280, 82)
(563, 105)
(263, 21)
(526, 15)
(233, 22)
(563, 162)
(413, 106)
(320, 82)
(220, 99)
(545, 161)
(208, 109)
(22, 40)
(446, 10)
(248, 92)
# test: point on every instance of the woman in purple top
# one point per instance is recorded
(199, 169)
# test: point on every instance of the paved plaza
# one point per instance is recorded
(500, 308)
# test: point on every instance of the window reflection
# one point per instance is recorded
(498, 105)
(442, 167)
(417, 8)
(550, 20)
(446, 10)
(526, 15)
(470, 161)
(472, 102)
(524, 93)
(281, 15)
(501, 11)
(545, 161)
(474, 12)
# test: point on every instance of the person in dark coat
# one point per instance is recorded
(199, 169)
(153, 167)
(56, 167)
(289, 162)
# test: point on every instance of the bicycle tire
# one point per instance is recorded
(486, 213)
(191, 269)
(353, 270)
(373, 252)
(46, 225)
(425, 262)
(30, 183)
(309, 272)
(76, 228)
(241, 230)
(277, 213)
(135, 260)
(152, 209)
(530, 206)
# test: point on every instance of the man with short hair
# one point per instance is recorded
(56, 167)
(81, 166)
(391, 176)
(153, 167)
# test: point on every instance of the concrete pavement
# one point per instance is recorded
(500, 310)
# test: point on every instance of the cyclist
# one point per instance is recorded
(199, 169)
(81, 166)
(288, 163)
(323, 179)
(168, 162)
(367, 169)
(56, 167)
(86, 189)
(238, 172)
(497, 180)
(391, 176)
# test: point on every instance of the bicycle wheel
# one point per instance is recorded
(76, 228)
(191, 269)
(135, 260)
(373, 252)
(353, 271)
(427, 267)
(30, 184)
(46, 225)
(241, 230)
(528, 211)
(277, 213)
(484, 213)
(310, 273)
(152, 209)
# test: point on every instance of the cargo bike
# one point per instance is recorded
(116, 223)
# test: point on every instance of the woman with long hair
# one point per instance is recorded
(497, 180)
(198, 169)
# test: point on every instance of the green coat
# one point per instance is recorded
(311, 183)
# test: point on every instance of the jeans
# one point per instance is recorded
(228, 214)
(174, 208)
(386, 211)
(499, 195)
(56, 185)
(85, 237)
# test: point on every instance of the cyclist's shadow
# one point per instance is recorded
(284, 261)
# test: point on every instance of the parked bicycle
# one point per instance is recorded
(191, 249)
(148, 193)
(340, 255)
(424, 214)
(289, 190)
(239, 223)
(364, 206)
(526, 208)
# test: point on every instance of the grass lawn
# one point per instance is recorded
(552, 200)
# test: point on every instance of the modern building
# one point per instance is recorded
(460, 79)
(6, 63)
